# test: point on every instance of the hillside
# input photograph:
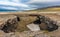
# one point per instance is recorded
(22, 30)
(45, 9)
(16, 25)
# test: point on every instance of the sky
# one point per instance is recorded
(27, 4)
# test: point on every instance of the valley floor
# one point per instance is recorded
(27, 18)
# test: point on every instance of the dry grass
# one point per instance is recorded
(23, 22)
(53, 9)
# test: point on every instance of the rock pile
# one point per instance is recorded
(51, 21)
(47, 22)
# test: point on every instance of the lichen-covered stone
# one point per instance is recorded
(51, 21)
(8, 22)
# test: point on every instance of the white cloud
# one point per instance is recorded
(11, 0)
(9, 8)
(13, 4)
(17, 4)
(16, 1)
(42, 1)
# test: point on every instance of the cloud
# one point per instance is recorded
(43, 1)
(9, 8)
(27, 4)
(14, 5)
(16, 1)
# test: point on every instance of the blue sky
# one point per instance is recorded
(27, 4)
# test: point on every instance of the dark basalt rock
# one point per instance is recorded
(37, 21)
(18, 19)
(51, 26)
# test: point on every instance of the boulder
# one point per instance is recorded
(52, 21)
(8, 22)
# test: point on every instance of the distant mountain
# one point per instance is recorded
(6, 10)
(50, 8)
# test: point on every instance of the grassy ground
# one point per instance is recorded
(23, 22)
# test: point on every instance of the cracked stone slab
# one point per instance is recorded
(33, 27)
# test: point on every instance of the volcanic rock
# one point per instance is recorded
(8, 22)
(51, 22)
